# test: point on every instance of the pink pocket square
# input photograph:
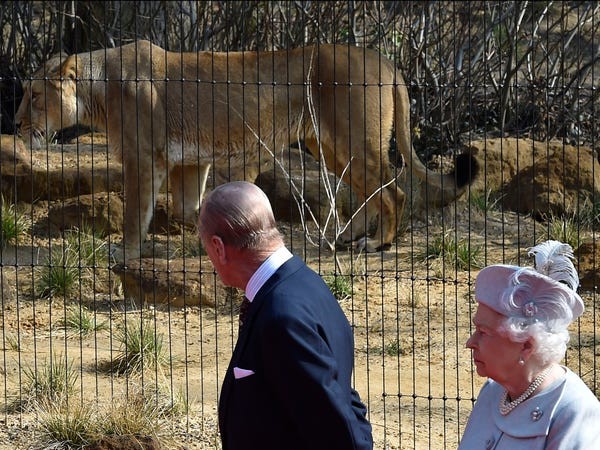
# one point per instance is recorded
(241, 373)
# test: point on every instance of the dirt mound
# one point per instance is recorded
(543, 179)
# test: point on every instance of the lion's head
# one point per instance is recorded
(49, 101)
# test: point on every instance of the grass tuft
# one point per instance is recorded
(91, 249)
(461, 254)
(340, 285)
(141, 347)
(66, 425)
(53, 379)
(565, 229)
(13, 224)
(485, 201)
(70, 267)
(60, 276)
(80, 321)
(73, 425)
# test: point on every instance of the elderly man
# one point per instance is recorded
(288, 385)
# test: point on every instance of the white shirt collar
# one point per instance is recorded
(266, 269)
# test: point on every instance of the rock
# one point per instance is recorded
(286, 201)
(125, 442)
(537, 178)
(55, 173)
(588, 256)
(304, 172)
(559, 183)
(176, 282)
(103, 212)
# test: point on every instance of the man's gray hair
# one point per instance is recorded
(240, 214)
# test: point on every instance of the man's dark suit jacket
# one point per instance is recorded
(300, 346)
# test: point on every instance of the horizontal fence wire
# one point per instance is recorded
(118, 117)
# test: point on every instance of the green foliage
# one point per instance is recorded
(13, 224)
(485, 201)
(339, 285)
(51, 380)
(394, 348)
(461, 254)
(89, 246)
(564, 229)
(390, 348)
(81, 321)
(467, 255)
(60, 276)
(588, 215)
(71, 266)
(66, 426)
(141, 346)
(12, 341)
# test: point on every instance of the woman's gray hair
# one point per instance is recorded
(546, 319)
(240, 214)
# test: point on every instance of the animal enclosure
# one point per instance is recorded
(404, 146)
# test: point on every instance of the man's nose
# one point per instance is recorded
(470, 342)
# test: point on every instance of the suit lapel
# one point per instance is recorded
(289, 267)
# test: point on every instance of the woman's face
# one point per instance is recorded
(494, 355)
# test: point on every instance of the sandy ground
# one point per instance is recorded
(411, 318)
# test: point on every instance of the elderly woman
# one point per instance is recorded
(529, 401)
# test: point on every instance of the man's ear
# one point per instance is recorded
(219, 247)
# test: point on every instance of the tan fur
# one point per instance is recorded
(233, 108)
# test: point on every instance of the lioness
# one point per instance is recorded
(175, 114)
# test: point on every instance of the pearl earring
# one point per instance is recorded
(521, 361)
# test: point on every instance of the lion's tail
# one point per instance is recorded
(442, 189)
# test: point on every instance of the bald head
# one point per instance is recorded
(241, 215)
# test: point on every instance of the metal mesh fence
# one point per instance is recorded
(116, 117)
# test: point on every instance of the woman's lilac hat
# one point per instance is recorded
(546, 292)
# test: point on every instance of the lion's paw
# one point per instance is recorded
(116, 254)
(368, 245)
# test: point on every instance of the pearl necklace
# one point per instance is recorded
(506, 406)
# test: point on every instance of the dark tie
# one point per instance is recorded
(244, 307)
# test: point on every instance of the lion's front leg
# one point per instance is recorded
(187, 185)
(386, 203)
(143, 180)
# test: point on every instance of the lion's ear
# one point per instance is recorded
(71, 68)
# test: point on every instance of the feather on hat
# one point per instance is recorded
(545, 292)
